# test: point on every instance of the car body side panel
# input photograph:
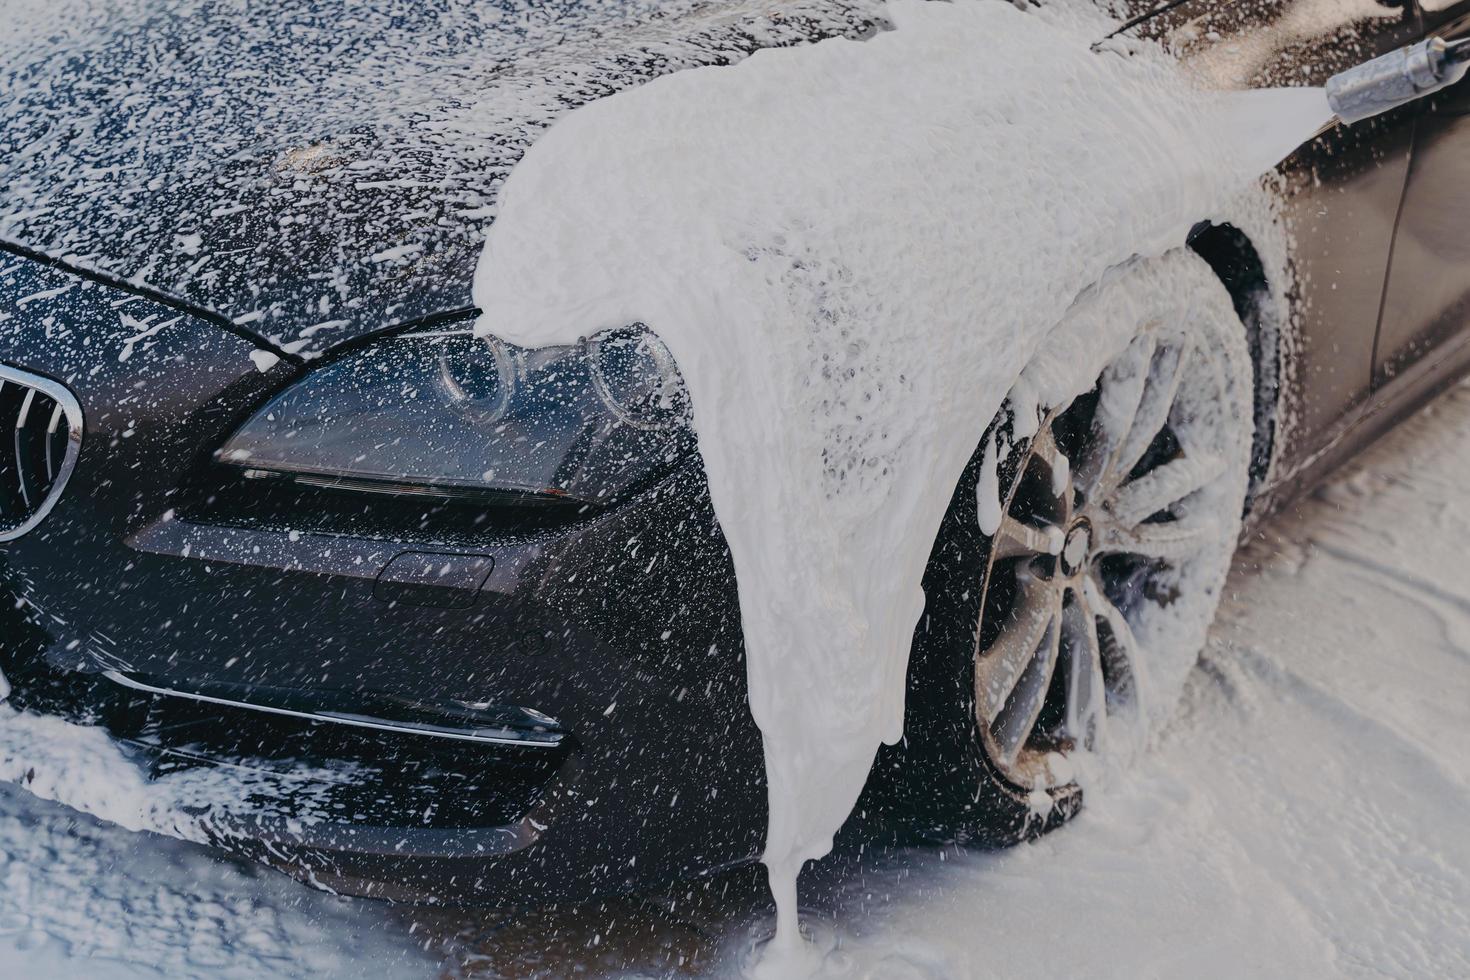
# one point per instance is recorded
(1427, 302)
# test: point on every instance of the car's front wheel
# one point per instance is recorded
(1081, 561)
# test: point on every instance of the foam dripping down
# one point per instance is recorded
(852, 250)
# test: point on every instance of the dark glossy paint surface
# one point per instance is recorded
(618, 624)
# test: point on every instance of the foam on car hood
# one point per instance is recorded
(315, 170)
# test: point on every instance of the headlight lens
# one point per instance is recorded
(635, 376)
(452, 414)
(478, 383)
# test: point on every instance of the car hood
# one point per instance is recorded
(313, 171)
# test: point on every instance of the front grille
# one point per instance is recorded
(40, 434)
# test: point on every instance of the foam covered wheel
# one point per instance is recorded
(1080, 563)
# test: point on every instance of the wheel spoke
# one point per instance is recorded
(1017, 539)
(1120, 389)
(1121, 652)
(1157, 489)
(1170, 541)
(999, 669)
(1013, 725)
(1044, 449)
(1154, 407)
(1086, 693)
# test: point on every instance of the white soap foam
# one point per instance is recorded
(82, 767)
(852, 249)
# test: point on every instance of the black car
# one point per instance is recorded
(460, 615)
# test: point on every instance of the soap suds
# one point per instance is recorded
(852, 250)
(84, 768)
(264, 360)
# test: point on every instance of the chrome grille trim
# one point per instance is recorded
(37, 454)
(492, 736)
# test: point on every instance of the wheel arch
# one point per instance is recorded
(1235, 260)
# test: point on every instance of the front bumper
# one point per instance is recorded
(623, 628)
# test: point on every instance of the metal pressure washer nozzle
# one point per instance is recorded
(1401, 76)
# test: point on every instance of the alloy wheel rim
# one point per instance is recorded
(1095, 530)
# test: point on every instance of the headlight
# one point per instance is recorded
(450, 414)
(635, 376)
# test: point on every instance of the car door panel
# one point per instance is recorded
(1427, 301)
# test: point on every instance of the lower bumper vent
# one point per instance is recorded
(40, 435)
